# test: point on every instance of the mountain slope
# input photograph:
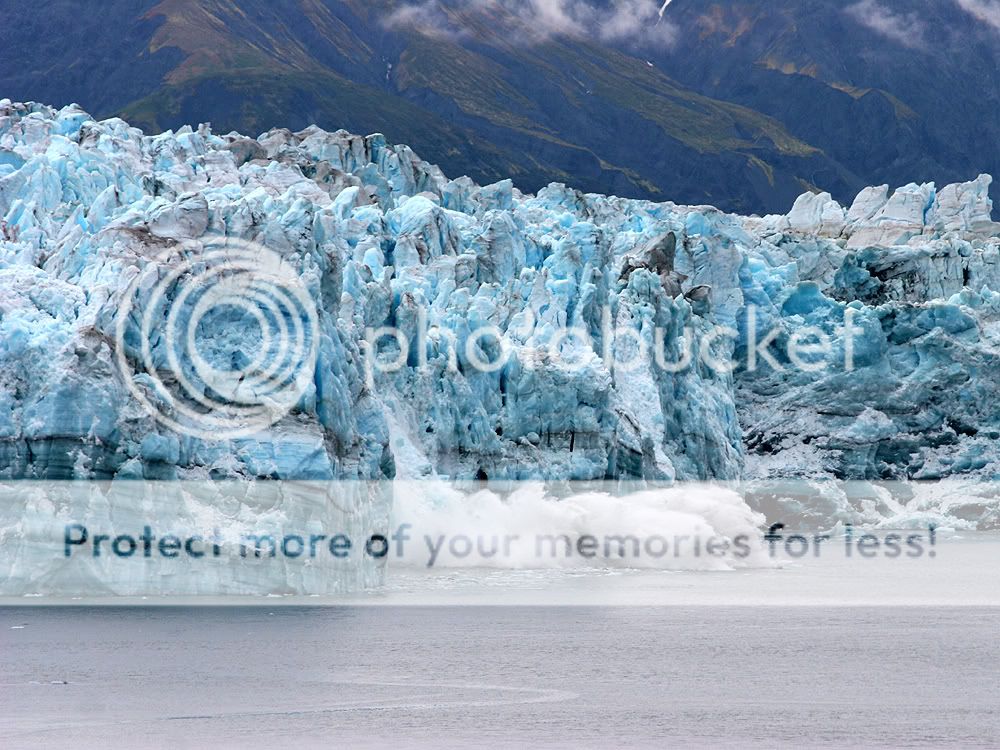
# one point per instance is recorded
(895, 90)
(742, 104)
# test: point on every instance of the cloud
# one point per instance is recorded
(905, 28)
(426, 17)
(987, 11)
(630, 22)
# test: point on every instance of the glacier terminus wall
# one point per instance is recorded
(592, 301)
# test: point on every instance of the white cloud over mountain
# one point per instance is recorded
(987, 11)
(638, 22)
(904, 28)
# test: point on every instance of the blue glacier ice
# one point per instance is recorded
(905, 283)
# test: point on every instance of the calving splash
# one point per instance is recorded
(588, 525)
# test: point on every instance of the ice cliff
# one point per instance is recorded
(382, 239)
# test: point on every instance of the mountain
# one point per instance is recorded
(741, 104)
(894, 90)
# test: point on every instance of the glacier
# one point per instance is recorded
(381, 239)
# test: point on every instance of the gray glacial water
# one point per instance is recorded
(499, 676)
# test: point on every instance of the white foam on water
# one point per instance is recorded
(696, 527)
